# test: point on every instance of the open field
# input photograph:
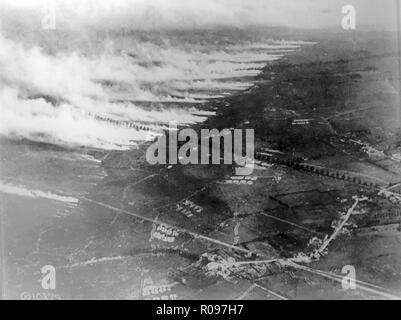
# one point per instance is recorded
(190, 232)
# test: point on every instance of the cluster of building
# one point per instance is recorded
(150, 291)
(188, 208)
(164, 233)
(249, 180)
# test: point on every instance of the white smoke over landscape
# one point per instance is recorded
(115, 91)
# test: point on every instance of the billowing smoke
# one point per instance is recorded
(112, 88)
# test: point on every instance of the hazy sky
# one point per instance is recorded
(198, 13)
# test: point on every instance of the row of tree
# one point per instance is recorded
(296, 164)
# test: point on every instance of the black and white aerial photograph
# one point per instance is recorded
(202, 150)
